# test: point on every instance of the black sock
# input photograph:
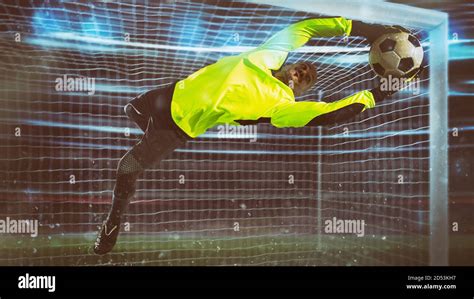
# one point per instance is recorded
(119, 205)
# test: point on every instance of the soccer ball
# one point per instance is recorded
(396, 54)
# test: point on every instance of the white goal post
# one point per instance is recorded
(436, 24)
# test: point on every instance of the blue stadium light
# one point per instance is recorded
(108, 129)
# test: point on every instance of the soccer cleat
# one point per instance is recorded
(107, 237)
(134, 115)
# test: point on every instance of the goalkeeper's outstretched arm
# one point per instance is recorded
(300, 114)
(348, 112)
(273, 53)
(299, 33)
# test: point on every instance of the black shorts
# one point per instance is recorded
(156, 104)
(162, 135)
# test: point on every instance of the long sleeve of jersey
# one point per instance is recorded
(299, 114)
(272, 54)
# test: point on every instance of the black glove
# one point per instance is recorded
(380, 95)
(415, 74)
(341, 115)
(373, 31)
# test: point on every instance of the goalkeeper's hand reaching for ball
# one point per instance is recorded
(372, 32)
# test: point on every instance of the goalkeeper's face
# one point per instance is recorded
(299, 76)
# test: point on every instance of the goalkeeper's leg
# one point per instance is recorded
(152, 148)
(128, 170)
(160, 139)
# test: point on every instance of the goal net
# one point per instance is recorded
(233, 199)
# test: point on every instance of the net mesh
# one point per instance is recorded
(215, 201)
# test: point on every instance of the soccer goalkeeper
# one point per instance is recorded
(253, 87)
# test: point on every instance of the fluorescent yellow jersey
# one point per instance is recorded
(242, 87)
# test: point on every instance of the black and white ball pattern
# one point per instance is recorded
(396, 54)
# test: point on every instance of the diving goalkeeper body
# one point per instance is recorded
(255, 86)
